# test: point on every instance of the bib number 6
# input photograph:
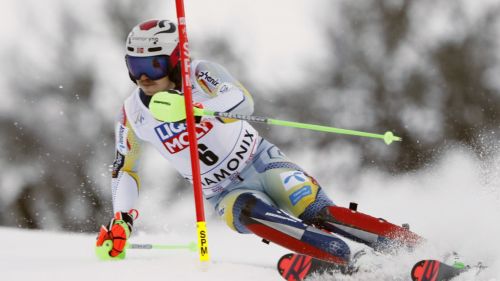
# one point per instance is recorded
(207, 156)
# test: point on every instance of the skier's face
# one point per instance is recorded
(151, 87)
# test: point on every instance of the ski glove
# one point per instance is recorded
(197, 119)
(112, 240)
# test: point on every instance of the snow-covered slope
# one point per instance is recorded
(40, 255)
(454, 204)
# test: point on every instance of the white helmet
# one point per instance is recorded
(155, 38)
(152, 38)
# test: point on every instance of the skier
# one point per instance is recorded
(251, 184)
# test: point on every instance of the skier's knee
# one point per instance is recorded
(236, 205)
(292, 189)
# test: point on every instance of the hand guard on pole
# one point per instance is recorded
(112, 240)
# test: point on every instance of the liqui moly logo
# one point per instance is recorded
(175, 137)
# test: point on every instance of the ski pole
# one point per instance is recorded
(168, 107)
(190, 246)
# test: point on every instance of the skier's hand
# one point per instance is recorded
(197, 119)
(111, 240)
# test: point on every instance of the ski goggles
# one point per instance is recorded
(154, 67)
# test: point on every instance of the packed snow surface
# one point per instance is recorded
(454, 204)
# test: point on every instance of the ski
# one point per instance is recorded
(297, 267)
(434, 270)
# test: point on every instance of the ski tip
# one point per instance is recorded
(284, 263)
(434, 270)
(294, 267)
(417, 272)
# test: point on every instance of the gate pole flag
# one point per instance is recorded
(193, 143)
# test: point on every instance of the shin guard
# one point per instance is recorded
(374, 232)
(278, 227)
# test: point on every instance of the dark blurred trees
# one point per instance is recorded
(388, 70)
(48, 141)
(58, 145)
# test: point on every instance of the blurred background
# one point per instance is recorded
(427, 70)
